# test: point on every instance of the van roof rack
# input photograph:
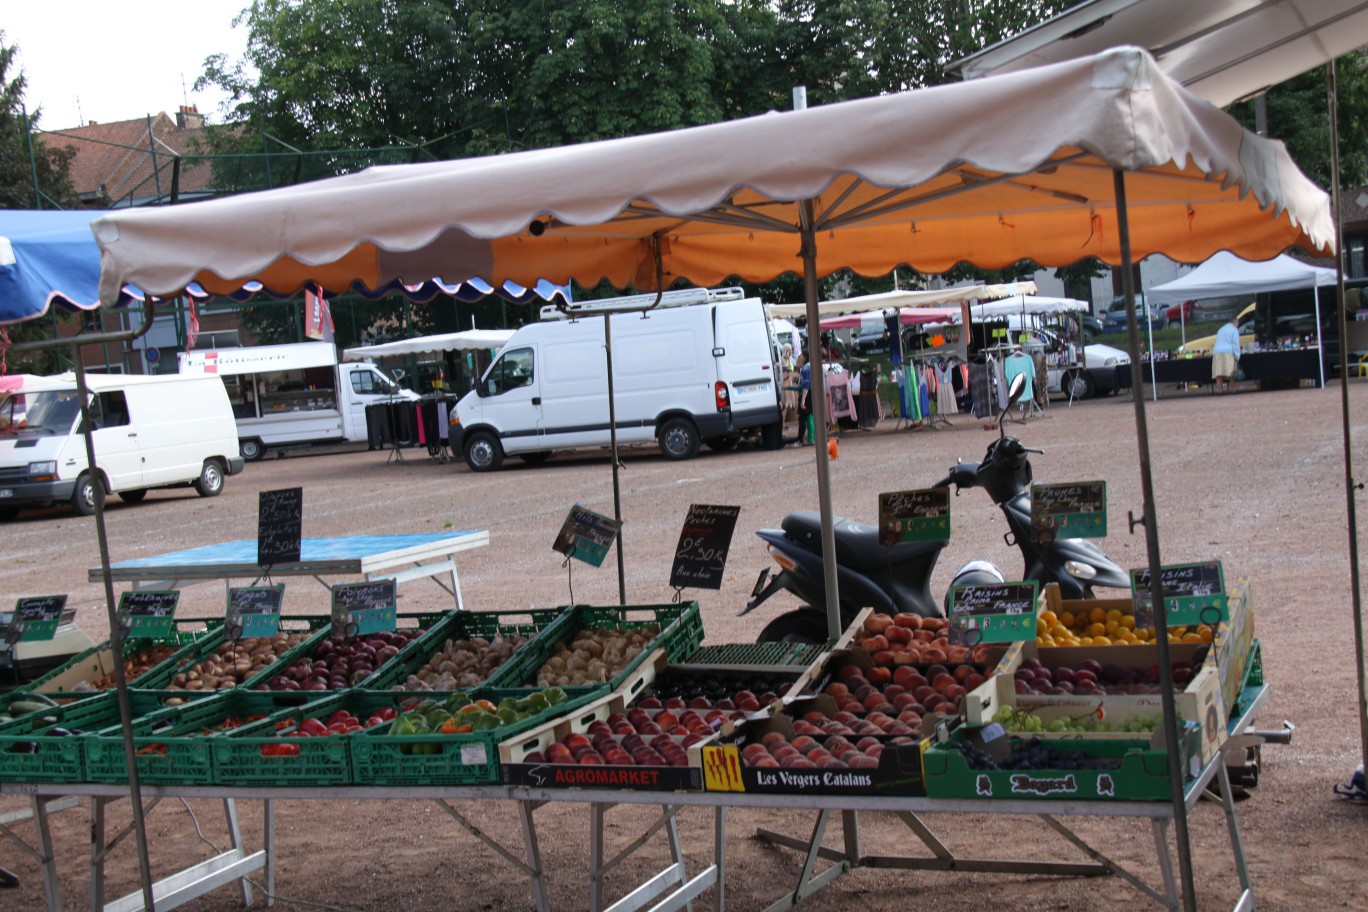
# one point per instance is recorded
(678, 298)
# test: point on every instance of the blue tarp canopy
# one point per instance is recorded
(50, 257)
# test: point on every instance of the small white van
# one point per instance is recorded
(684, 375)
(149, 432)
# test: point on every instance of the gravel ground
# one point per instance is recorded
(1254, 479)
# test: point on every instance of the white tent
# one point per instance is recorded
(469, 340)
(890, 299)
(1226, 274)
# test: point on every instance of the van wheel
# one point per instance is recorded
(722, 444)
(772, 436)
(483, 453)
(1081, 385)
(678, 439)
(210, 482)
(83, 498)
(134, 496)
(251, 449)
(535, 459)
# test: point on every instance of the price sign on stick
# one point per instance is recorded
(998, 613)
(147, 612)
(1077, 510)
(253, 611)
(36, 618)
(361, 608)
(280, 522)
(914, 516)
(586, 536)
(1193, 593)
(701, 554)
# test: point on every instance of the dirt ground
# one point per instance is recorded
(1255, 479)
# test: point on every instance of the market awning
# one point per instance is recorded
(911, 179)
(1226, 274)
(469, 340)
(906, 316)
(50, 258)
(930, 297)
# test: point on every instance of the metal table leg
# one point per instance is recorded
(539, 894)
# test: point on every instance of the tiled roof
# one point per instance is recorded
(119, 158)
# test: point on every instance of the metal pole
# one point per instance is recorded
(1175, 765)
(115, 638)
(33, 164)
(1351, 487)
(612, 441)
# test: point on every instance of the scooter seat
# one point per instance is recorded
(857, 543)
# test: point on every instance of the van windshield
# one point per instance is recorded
(52, 411)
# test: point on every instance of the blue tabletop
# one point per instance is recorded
(311, 551)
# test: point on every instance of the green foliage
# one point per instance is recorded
(17, 169)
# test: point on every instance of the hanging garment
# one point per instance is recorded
(1042, 379)
(1019, 363)
(945, 391)
(999, 382)
(980, 390)
(839, 400)
(443, 419)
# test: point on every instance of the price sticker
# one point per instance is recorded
(998, 613)
(914, 516)
(36, 618)
(362, 608)
(701, 555)
(586, 536)
(1076, 510)
(148, 612)
(253, 611)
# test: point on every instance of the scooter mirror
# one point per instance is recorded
(1014, 391)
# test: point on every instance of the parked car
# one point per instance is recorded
(1185, 311)
(1114, 317)
(867, 339)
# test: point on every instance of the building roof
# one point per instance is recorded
(131, 162)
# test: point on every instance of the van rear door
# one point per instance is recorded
(746, 363)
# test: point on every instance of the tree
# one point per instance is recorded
(49, 168)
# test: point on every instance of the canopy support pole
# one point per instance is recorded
(1350, 486)
(808, 251)
(115, 633)
(612, 439)
(1170, 722)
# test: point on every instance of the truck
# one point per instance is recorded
(700, 368)
(147, 431)
(295, 394)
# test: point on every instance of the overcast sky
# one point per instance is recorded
(105, 61)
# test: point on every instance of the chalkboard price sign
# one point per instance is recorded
(586, 536)
(1193, 594)
(253, 611)
(280, 523)
(1076, 510)
(362, 608)
(148, 612)
(914, 516)
(999, 613)
(701, 554)
(36, 618)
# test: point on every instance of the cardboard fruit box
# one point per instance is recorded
(746, 762)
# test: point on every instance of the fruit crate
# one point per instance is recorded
(173, 744)
(98, 662)
(323, 631)
(464, 625)
(471, 758)
(243, 756)
(1253, 679)
(681, 633)
(756, 655)
(658, 685)
(28, 753)
(208, 645)
(1141, 776)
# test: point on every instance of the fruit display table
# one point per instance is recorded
(672, 888)
(397, 557)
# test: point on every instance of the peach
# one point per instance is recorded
(933, 623)
(954, 692)
(923, 636)
(907, 619)
(962, 673)
(878, 623)
(875, 644)
(847, 671)
(882, 658)
(836, 688)
(767, 762)
(873, 700)
(882, 675)
(893, 690)
(942, 681)
(900, 675)
(974, 680)
(845, 717)
(899, 635)
(958, 653)
(933, 654)
(855, 682)
(906, 657)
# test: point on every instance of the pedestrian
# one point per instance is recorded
(1225, 356)
(804, 398)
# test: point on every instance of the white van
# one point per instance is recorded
(294, 394)
(149, 432)
(682, 375)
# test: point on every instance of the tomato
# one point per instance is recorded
(340, 716)
(284, 749)
(312, 728)
(387, 713)
(337, 728)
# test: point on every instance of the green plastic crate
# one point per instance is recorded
(28, 754)
(323, 760)
(1142, 776)
(309, 647)
(799, 655)
(464, 625)
(681, 633)
(1253, 679)
(97, 659)
(171, 744)
(472, 758)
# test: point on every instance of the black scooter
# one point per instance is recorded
(898, 578)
